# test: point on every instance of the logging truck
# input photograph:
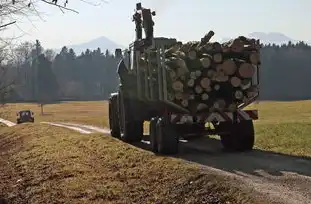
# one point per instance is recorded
(211, 84)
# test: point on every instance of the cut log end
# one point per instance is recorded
(219, 104)
(206, 62)
(246, 70)
(178, 86)
(235, 81)
(217, 58)
(185, 103)
(204, 96)
(191, 83)
(229, 67)
(192, 55)
(198, 89)
(205, 83)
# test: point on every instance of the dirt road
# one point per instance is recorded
(276, 177)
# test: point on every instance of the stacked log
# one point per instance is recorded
(212, 76)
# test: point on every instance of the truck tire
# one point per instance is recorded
(130, 130)
(113, 117)
(241, 136)
(167, 138)
(153, 134)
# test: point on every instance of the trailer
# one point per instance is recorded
(143, 96)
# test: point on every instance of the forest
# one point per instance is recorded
(32, 73)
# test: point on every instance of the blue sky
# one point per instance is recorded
(182, 19)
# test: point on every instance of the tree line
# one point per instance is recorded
(44, 76)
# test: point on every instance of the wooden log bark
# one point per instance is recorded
(201, 106)
(205, 74)
(235, 45)
(207, 37)
(175, 63)
(172, 50)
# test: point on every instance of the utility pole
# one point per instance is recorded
(35, 71)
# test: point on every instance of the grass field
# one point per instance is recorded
(44, 164)
(283, 126)
(95, 113)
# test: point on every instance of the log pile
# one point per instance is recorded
(209, 76)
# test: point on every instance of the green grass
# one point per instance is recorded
(282, 126)
(95, 113)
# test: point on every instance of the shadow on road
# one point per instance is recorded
(208, 152)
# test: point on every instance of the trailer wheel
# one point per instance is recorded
(241, 136)
(130, 130)
(153, 134)
(167, 138)
(113, 117)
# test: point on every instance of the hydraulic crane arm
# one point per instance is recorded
(143, 20)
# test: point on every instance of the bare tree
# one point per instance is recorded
(49, 54)
(6, 82)
(11, 12)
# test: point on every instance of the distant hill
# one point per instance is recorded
(272, 37)
(102, 42)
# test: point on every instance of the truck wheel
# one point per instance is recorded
(241, 136)
(130, 130)
(153, 134)
(113, 120)
(167, 138)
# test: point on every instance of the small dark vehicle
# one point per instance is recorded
(25, 116)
